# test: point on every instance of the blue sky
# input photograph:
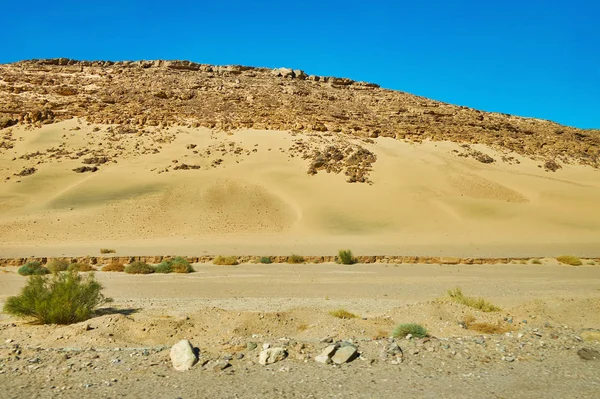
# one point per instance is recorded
(529, 57)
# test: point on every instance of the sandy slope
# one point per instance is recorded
(424, 200)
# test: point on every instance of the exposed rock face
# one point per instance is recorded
(183, 356)
(232, 97)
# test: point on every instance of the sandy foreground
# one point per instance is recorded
(252, 196)
(549, 311)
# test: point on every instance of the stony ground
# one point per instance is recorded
(543, 347)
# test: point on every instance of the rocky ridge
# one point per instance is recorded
(138, 94)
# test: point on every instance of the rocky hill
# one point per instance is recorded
(166, 93)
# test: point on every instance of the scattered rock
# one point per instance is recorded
(272, 355)
(83, 169)
(588, 354)
(183, 356)
(345, 354)
(251, 346)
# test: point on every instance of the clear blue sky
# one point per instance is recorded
(525, 57)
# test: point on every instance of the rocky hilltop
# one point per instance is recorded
(182, 93)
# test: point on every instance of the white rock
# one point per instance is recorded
(183, 356)
(271, 355)
(329, 351)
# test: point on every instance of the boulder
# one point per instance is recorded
(272, 355)
(183, 356)
(345, 354)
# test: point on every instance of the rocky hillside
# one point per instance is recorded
(165, 93)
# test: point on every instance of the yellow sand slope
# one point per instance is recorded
(424, 200)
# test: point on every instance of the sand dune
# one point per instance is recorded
(258, 199)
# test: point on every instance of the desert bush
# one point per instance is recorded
(57, 265)
(226, 260)
(266, 260)
(569, 260)
(107, 251)
(536, 261)
(63, 298)
(485, 328)
(478, 303)
(181, 265)
(163, 267)
(114, 267)
(294, 258)
(416, 330)
(591, 263)
(345, 257)
(139, 268)
(343, 314)
(80, 267)
(32, 268)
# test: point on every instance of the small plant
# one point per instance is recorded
(569, 260)
(302, 327)
(416, 330)
(57, 265)
(139, 268)
(591, 263)
(345, 257)
(32, 268)
(64, 298)
(536, 262)
(343, 314)
(114, 267)
(266, 260)
(107, 251)
(294, 259)
(478, 303)
(225, 260)
(80, 267)
(484, 328)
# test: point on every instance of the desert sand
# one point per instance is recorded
(424, 199)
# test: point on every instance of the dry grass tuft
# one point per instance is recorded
(569, 260)
(80, 267)
(343, 314)
(226, 260)
(478, 303)
(107, 251)
(484, 328)
(114, 267)
(302, 327)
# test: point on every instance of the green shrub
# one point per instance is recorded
(177, 265)
(265, 260)
(591, 263)
(343, 314)
(57, 265)
(536, 261)
(80, 267)
(32, 268)
(226, 260)
(294, 258)
(345, 257)
(63, 298)
(569, 260)
(163, 267)
(478, 303)
(139, 268)
(114, 267)
(416, 330)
